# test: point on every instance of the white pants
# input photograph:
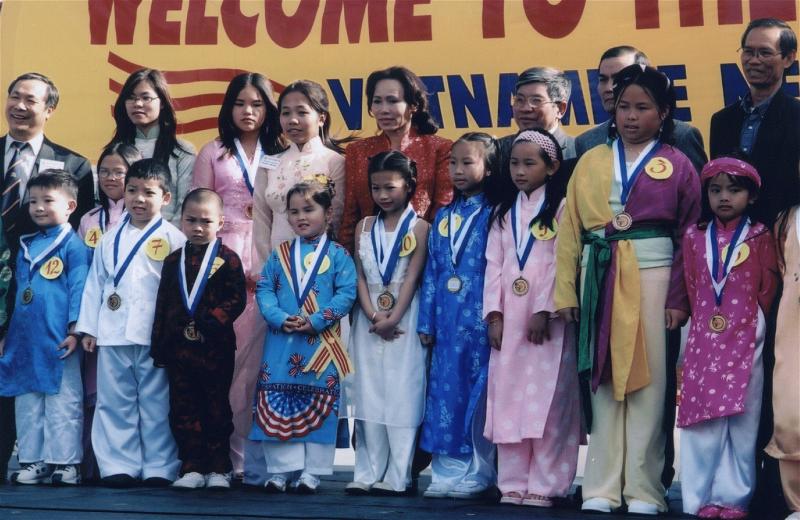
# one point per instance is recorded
(718, 463)
(475, 468)
(131, 433)
(383, 453)
(50, 427)
(308, 457)
(255, 463)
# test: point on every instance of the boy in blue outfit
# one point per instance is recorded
(39, 365)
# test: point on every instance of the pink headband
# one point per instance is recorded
(544, 142)
(730, 166)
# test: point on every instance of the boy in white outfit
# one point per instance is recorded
(131, 437)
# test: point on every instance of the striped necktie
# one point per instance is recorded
(10, 200)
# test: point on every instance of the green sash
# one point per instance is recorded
(596, 267)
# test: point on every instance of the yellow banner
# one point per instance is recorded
(467, 51)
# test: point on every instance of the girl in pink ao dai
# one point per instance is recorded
(731, 273)
(533, 410)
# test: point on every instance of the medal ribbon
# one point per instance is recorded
(302, 283)
(149, 230)
(523, 238)
(387, 255)
(713, 252)
(621, 168)
(103, 213)
(192, 299)
(248, 170)
(35, 263)
(457, 242)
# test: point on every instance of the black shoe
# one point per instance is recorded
(120, 480)
(156, 482)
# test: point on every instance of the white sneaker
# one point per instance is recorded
(33, 473)
(436, 490)
(640, 507)
(218, 481)
(357, 488)
(276, 483)
(597, 504)
(307, 484)
(191, 480)
(66, 475)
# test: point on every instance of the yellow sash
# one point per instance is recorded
(330, 349)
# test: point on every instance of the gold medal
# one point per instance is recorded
(622, 221)
(542, 232)
(409, 244)
(520, 286)
(658, 168)
(326, 263)
(718, 323)
(157, 249)
(741, 254)
(114, 302)
(248, 211)
(52, 269)
(454, 284)
(385, 301)
(191, 333)
(27, 295)
(92, 237)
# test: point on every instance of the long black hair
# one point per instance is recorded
(414, 94)
(318, 100)
(658, 86)
(129, 155)
(125, 132)
(555, 187)
(270, 132)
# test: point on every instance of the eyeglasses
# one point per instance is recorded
(110, 174)
(748, 53)
(532, 101)
(146, 100)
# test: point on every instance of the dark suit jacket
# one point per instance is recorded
(75, 164)
(776, 153)
(687, 139)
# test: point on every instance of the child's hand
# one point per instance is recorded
(427, 340)
(69, 345)
(496, 333)
(569, 314)
(676, 318)
(538, 330)
(385, 327)
(305, 327)
(89, 342)
(291, 324)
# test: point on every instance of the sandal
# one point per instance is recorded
(534, 500)
(512, 497)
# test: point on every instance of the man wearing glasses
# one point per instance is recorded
(765, 124)
(540, 100)
(24, 152)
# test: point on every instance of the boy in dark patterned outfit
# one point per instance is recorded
(202, 292)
